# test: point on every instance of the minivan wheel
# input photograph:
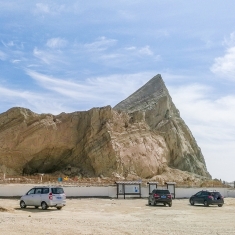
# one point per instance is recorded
(206, 203)
(44, 206)
(22, 204)
(59, 207)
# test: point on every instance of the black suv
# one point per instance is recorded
(160, 196)
(207, 198)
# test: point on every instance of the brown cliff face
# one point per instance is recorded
(141, 137)
(164, 119)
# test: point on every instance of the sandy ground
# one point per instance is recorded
(117, 216)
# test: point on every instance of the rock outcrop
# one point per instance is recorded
(163, 118)
(141, 137)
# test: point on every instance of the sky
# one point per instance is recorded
(66, 56)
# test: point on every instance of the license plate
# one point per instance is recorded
(163, 196)
(58, 197)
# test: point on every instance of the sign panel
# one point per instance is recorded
(171, 189)
(120, 188)
(132, 189)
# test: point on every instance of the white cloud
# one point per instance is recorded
(49, 57)
(11, 44)
(140, 51)
(15, 61)
(63, 87)
(134, 52)
(225, 65)
(43, 7)
(58, 95)
(37, 102)
(101, 44)
(127, 15)
(196, 104)
(97, 91)
(3, 56)
(56, 43)
(211, 121)
(130, 48)
(145, 51)
(230, 42)
(103, 50)
(52, 9)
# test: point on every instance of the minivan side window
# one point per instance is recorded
(57, 190)
(38, 191)
(31, 191)
(45, 190)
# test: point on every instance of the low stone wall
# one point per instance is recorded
(17, 190)
(188, 192)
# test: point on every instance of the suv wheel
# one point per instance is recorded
(44, 206)
(206, 203)
(191, 202)
(170, 204)
(22, 204)
(220, 205)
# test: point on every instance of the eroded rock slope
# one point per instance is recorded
(143, 136)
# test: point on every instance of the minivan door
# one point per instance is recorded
(37, 197)
(29, 197)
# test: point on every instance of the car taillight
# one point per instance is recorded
(50, 196)
(156, 195)
(210, 197)
(169, 195)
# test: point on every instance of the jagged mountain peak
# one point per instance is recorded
(145, 96)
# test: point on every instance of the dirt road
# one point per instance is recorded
(117, 216)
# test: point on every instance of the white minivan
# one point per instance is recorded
(44, 196)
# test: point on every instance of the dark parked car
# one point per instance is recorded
(162, 196)
(207, 198)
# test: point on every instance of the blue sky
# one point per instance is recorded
(63, 57)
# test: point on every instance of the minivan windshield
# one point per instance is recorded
(57, 190)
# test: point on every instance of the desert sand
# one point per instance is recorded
(117, 216)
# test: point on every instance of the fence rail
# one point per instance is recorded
(50, 179)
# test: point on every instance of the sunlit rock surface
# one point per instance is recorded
(141, 137)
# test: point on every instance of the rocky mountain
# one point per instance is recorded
(141, 137)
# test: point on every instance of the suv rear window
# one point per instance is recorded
(57, 190)
(161, 191)
(216, 195)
